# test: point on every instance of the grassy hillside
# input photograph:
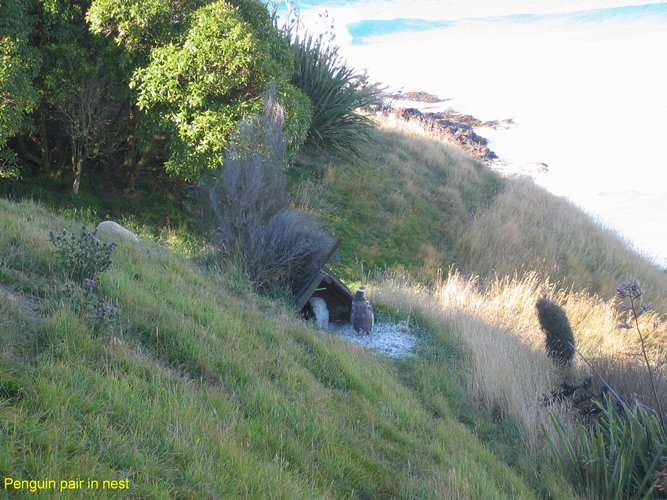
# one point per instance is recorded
(402, 205)
(200, 389)
(506, 243)
(413, 203)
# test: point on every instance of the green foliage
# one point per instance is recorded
(17, 94)
(556, 327)
(75, 81)
(617, 458)
(84, 256)
(140, 25)
(299, 113)
(18, 65)
(84, 301)
(336, 91)
(133, 79)
(8, 163)
(202, 86)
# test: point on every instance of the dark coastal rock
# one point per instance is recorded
(457, 132)
(407, 113)
(419, 96)
(539, 166)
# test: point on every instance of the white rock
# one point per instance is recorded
(112, 229)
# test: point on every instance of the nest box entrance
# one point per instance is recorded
(327, 286)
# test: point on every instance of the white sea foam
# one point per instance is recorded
(588, 98)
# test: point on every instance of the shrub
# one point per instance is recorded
(85, 303)
(556, 327)
(83, 255)
(336, 91)
(618, 457)
(285, 251)
(278, 247)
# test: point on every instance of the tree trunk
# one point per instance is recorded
(27, 155)
(77, 177)
(133, 162)
(77, 166)
(130, 162)
(44, 142)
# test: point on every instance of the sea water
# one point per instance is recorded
(585, 83)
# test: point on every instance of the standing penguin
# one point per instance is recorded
(362, 313)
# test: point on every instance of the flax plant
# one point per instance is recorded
(337, 91)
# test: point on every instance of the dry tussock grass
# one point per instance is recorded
(528, 229)
(425, 151)
(521, 227)
(510, 373)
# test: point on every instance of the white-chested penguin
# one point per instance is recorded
(362, 313)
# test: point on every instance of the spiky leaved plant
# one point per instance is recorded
(336, 90)
(555, 325)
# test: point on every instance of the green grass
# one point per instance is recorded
(203, 389)
(403, 206)
(412, 203)
(159, 207)
(203, 392)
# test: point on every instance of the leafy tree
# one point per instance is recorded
(197, 67)
(18, 65)
(85, 85)
(58, 84)
(203, 86)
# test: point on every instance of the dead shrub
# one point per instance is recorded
(278, 247)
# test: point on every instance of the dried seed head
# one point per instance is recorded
(630, 289)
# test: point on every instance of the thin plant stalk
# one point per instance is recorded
(648, 365)
(597, 373)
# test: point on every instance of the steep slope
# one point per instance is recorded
(200, 389)
(414, 203)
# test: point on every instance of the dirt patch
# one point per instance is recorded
(27, 304)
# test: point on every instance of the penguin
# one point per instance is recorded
(362, 317)
(320, 311)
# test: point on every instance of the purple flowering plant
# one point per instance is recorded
(82, 254)
(85, 302)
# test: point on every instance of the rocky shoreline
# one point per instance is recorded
(452, 127)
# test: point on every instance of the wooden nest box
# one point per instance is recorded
(325, 284)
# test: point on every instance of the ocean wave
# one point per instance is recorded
(365, 28)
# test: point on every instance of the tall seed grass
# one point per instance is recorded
(509, 373)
